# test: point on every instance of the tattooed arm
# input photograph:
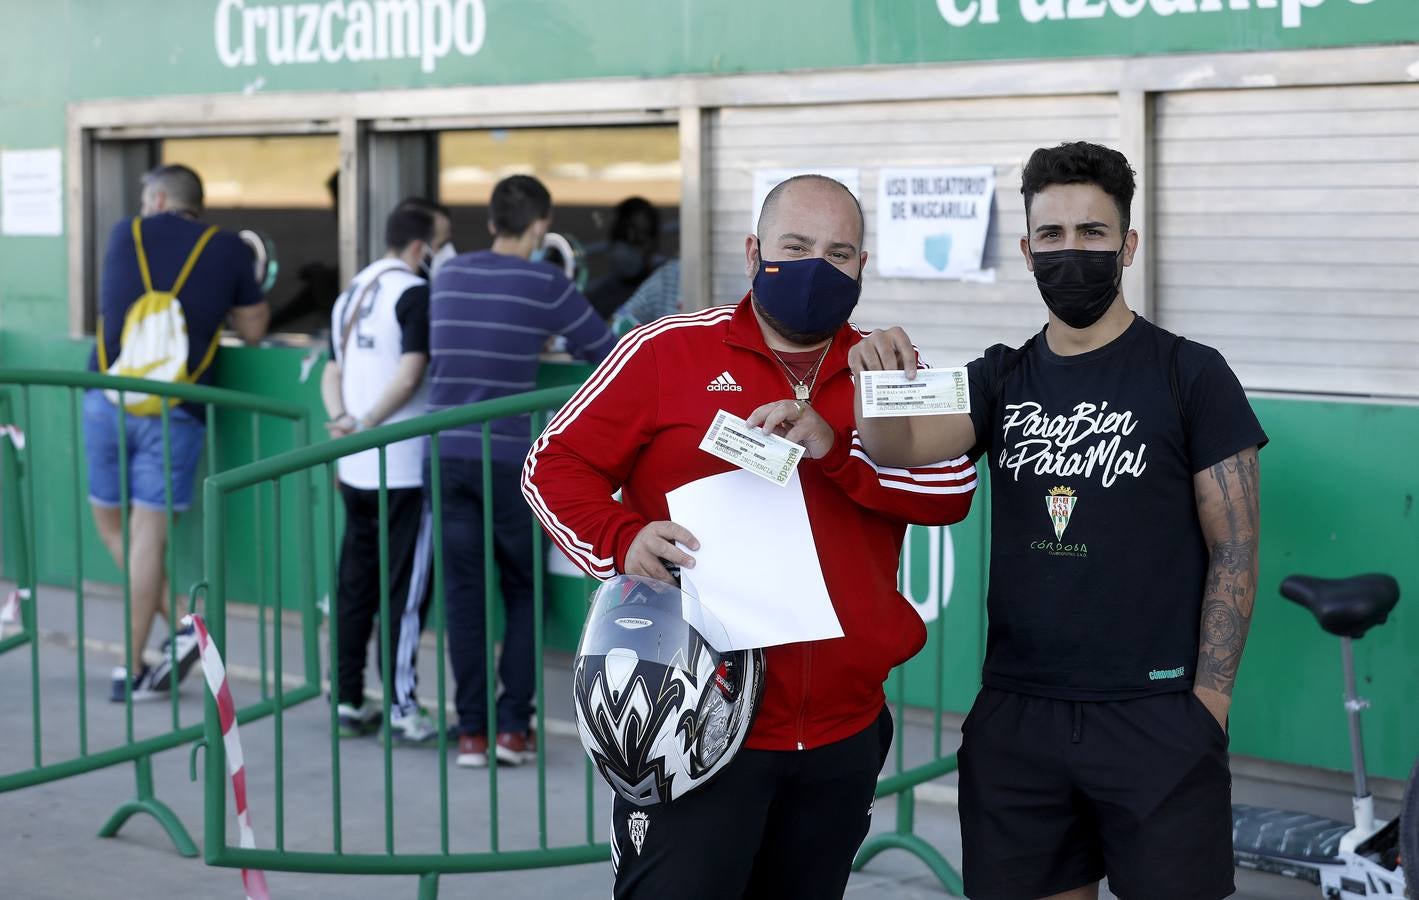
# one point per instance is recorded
(1230, 512)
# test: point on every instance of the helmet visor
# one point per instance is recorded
(657, 621)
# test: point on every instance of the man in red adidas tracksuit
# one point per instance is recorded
(786, 816)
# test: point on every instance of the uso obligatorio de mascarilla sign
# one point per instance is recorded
(962, 13)
(248, 34)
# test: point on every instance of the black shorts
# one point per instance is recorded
(1056, 794)
(774, 825)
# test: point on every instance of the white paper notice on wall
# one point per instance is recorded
(31, 192)
(932, 222)
(766, 180)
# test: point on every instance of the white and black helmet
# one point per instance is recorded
(660, 709)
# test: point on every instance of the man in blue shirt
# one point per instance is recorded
(152, 253)
(490, 314)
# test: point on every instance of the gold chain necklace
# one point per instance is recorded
(802, 391)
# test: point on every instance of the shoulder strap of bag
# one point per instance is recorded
(147, 274)
(192, 259)
(357, 308)
(142, 257)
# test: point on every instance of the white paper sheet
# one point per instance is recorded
(757, 568)
(932, 222)
(31, 192)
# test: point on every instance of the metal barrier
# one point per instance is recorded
(51, 443)
(427, 865)
(375, 801)
(903, 782)
(19, 606)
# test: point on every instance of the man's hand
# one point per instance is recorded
(889, 349)
(1217, 703)
(338, 428)
(656, 542)
(796, 421)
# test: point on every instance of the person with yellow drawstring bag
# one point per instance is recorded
(168, 285)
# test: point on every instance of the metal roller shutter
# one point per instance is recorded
(1287, 233)
(951, 321)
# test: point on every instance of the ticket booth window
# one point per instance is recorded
(588, 170)
(287, 188)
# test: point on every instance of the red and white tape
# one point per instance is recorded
(10, 612)
(254, 880)
(16, 436)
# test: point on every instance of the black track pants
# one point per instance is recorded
(775, 825)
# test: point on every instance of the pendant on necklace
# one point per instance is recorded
(800, 391)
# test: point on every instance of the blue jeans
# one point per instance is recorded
(465, 583)
(147, 485)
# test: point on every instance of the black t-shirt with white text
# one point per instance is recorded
(1097, 557)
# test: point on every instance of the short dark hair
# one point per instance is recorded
(631, 212)
(771, 202)
(517, 202)
(1080, 162)
(406, 225)
(427, 205)
(180, 183)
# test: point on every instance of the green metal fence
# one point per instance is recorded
(14, 535)
(374, 815)
(428, 865)
(54, 454)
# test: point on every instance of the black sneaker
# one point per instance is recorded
(187, 653)
(142, 687)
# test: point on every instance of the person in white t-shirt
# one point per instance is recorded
(379, 349)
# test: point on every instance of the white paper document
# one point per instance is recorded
(757, 568)
(31, 192)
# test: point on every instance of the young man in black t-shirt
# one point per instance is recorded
(1124, 535)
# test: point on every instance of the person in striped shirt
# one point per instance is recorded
(491, 312)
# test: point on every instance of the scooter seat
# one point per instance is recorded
(1280, 833)
(1344, 606)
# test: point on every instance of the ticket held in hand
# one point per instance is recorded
(932, 392)
(752, 449)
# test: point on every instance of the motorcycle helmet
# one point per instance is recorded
(263, 251)
(660, 708)
(566, 253)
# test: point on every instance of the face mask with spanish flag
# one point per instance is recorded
(809, 296)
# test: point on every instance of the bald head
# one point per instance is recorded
(809, 216)
(819, 190)
(172, 189)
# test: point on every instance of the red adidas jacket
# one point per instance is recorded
(636, 426)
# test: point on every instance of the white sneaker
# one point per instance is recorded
(187, 653)
(356, 721)
(412, 727)
(142, 687)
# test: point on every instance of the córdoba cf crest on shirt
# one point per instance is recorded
(1060, 504)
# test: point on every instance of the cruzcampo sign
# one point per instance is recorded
(118, 49)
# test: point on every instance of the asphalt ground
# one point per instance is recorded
(49, 847)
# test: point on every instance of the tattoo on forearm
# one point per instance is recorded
(1230, 589)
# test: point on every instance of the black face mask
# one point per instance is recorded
(1079, 286)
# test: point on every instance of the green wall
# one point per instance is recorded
(1339, 485)
(147, 47)
(62, 51)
